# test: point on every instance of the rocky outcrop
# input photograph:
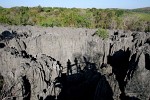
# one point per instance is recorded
(25, 75)
(33, 57)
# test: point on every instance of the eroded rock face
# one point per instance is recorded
(138, 85)
(31, 58)
(27, 74)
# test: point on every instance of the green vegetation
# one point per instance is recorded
(103, 33)
(75, 17)
(143, 10)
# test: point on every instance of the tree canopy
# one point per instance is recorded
(76, 17)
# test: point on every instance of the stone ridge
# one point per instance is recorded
(31, 58)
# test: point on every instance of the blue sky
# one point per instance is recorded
(129, 4)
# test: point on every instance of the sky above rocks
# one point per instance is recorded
(127, 4)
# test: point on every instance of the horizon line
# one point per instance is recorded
(76, 7)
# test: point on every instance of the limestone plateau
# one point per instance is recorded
(38, 63)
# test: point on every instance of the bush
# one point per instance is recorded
(103, 33)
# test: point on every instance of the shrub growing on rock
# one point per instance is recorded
(103, 33)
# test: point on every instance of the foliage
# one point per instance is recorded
(103, 33)
(75, 17)
(143, 10)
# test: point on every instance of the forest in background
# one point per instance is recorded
(124, 19)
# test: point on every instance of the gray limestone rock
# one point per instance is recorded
(29, 57)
